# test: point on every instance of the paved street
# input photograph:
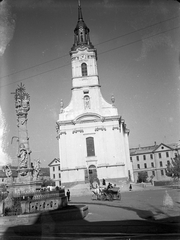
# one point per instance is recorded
(138, 213)
(136, 205)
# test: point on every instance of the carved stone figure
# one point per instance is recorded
(37, 168)
(7, 171)
(61, 106)
(23, 156)
(86, 102)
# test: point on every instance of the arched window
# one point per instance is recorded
(84, 69)
(90, 146)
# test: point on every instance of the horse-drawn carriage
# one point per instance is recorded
(103, 194)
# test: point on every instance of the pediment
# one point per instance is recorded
(162, 147)
(54, 162)
(89, 117)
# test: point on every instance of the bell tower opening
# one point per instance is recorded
(84, 69)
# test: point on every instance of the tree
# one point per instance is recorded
(48, 182)
(142, 176)
(173, 168)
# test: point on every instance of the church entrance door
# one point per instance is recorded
(93, 178)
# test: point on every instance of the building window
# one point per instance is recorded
(59, 168)
(159, 155)
(145, 165)
(53, 169)
(53, 175)
(153, 173)
(86, 92)
(160, 164)
(144, 157)
(84, 69)
(138, 166)
(59, 175)
(168, 163)
(162, 172)
(131, 159)
(152, 164)
(90, 146)
(167, 154)
(2, 179)
(151, 156)
(137, 157)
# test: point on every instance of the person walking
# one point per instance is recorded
(68, 195)
(103, 182)
(130, 187)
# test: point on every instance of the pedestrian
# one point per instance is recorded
(130, 187)
(103, 182)
(68, 195)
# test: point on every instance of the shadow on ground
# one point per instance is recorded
(155, 214)
(56, 225)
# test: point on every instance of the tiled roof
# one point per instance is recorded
(150, 149)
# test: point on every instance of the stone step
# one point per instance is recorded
(80, 189)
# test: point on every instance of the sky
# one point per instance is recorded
(138, 62)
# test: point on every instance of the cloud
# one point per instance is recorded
(7, 26)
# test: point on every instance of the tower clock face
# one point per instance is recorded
(82, 57)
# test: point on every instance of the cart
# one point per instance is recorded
(113, 192)
(104, 194)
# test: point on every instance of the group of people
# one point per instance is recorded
(97, 187)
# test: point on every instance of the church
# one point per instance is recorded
(93, 137)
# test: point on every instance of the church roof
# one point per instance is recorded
(81, 33)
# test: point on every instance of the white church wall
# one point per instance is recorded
(89, 115)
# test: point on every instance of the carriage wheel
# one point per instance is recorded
(119, 196)
(114, 196)
(103, 197)
(110, 197)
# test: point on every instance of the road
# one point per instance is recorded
(139, 214)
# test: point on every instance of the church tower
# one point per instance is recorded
(93, 138)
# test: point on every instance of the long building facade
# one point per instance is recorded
(93, 137)
(153, 160)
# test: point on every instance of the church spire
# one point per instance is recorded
(80, 17)
(81, 33)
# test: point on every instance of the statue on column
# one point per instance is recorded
(23, 156)
(22, 104)
(36, 169)
(7, 170)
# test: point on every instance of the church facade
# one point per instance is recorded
(93, 138)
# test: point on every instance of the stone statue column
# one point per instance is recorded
(22, 104)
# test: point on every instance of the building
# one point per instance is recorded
(153, 159)
(55, 173)
(93, 137)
